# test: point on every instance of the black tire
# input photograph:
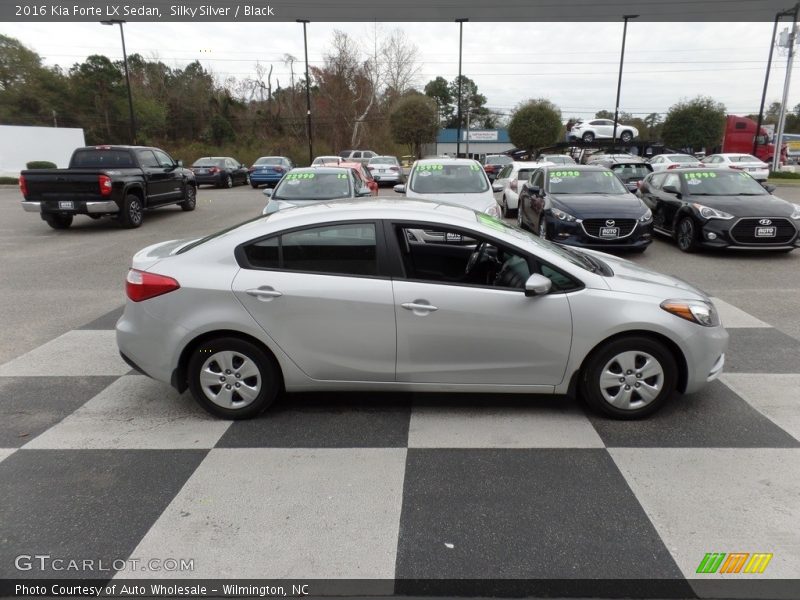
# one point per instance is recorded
(132, 213)
(626, 136)
(58, 221)
(226, 182)
(686, 235)
(589, 378)
(588, 137)
(190, 198)
(504, 208)
(253, 185)
(269, 378)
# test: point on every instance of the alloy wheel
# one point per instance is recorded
(631, 380)
(135, 212)
(230, 379)
(685, 234)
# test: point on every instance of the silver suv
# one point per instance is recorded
(361, 156)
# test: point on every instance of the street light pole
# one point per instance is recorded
(776, 156)
(625, 18)
(120, 22)
(460, 44)
(766, 83)
(308, 94)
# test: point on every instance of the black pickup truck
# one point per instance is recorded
(118, 181)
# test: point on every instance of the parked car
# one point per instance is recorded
(361, 156)
(758, 169)
(662, 162)
(630, 171)
(268, 170)
(720, 208)
(322, 161)
(511, 178)
(308, 185)
(364, 174)
(118, 181)
(602, 157)
(584, 206)
(454, 180)
(221, 171)
(335, 296)
(492, 163)
(385, 169)
(556, 159)
(602, 129)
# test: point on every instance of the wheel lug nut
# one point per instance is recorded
(637, 384)
(627, 387)
(222, 378)
(238, 375)
(227, 387)
(629, 371)
(240, 385)
(639, 375)
(622, 380)
(227, 371)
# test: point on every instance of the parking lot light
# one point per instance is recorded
(120, 22)
(460, 44)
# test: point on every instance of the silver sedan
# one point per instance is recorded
(343, 296)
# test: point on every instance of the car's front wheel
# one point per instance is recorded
(629, 378)
(189, 198)
(686, 235)
(588, 137)
(233, 378)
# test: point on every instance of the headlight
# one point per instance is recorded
(711, 213)
(494, 211)
(646, 216)
(796, 211)
(561, 215)
(696, 311)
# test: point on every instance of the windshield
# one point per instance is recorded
(682, 158)
(313, 186)
(498, 160)
(433, 178)
(746, 158)
(631, 171)
(269, 160)
(722, 183)
(209, 162)
(584, 182)
(383, 160)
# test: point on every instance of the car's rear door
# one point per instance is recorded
(317, 293)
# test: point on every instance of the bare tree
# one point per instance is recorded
(399, 57)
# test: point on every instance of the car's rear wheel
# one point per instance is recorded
(588, 137)
(227, 181)
(629, 378)
(132, 213)
(190, 198)
(58, 221)
(233, 378)
(686, 235)
(626, 136)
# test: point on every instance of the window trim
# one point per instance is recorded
(381, 251)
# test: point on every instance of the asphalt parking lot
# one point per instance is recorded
(97, 461)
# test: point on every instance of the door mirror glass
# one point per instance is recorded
(400, 188)
(496, 187)
(179, 163)
(537, 285)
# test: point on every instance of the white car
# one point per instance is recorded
(662, 162)
(511, 178)
(324, 161)
(756, 167)
(459, 181)
(556, 159)
(602, 129)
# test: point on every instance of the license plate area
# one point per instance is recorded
(763, 232)
(609, 232)
(66, 205)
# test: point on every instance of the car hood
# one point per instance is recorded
(747, 206)
(633, 279)
(600, 205)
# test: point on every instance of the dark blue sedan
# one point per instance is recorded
(268, 170)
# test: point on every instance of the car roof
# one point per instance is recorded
(447, 161)
(271, 156)
(529, 164)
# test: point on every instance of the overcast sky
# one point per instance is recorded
(573, 64)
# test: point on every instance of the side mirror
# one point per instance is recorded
(769, 187)
(267, 192)
(671, 189)
(537, 285)
(496, 187)
(400, 188)
(179, 163)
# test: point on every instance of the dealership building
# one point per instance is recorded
(478, 143)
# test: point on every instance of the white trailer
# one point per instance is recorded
(21, 144)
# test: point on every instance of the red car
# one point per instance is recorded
(364, 174)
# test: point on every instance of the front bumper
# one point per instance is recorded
(705, 356)
(572, 234)
(716, 233)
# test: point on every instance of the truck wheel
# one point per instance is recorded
(132, 212)
(190, 198)
(58, 221)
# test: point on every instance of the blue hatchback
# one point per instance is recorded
(268, 170)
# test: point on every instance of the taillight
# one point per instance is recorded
(371, 168)
(737, 168)
(395, 169)
(214, 170)
(673, 166)
(279, 169)
(105, 185)
(513, 185)
(142, 285)
(23, 187)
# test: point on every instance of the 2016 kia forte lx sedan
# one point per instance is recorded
(345, 296)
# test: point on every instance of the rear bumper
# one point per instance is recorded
(256, 177)
(79, 207)
(31, 206)
(209, 179)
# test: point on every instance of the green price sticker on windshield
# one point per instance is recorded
(474, 168)
(430, 167)
(301, 176)
(609, 174)
(341, 176)
(702, 175)
(492, 222)
(565, 174)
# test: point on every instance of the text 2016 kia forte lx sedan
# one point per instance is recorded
(344, 296)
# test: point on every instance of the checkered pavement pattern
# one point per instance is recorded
(99, 461)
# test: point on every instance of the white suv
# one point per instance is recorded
(598, 129)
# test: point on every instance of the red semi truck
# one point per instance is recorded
(738, 137)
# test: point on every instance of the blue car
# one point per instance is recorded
(268, 170)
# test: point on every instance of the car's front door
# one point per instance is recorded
(173, 176)
(477, 333)
(158, 180)
(316, 292)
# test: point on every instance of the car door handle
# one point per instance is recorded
(264, 293)
(415, 306)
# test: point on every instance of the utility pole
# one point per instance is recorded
(776, 158)
(469, 112)
(460, 43)
(308, 94)
(121, 22)
(625, 18)
(766, 83)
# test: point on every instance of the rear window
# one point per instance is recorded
(747, 158)
(307, 185)
(635, 170)
(269, 160)
(498, 160)
(209, 162)
(383, 160)
(102, 159)
(525, 174)
(683, 158)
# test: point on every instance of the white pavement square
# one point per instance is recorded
(77, 353)
(135, 412)
(775, 396)
(720, 500)
(6, 452)
(518, 426)
(735, 317)
(284, 513)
